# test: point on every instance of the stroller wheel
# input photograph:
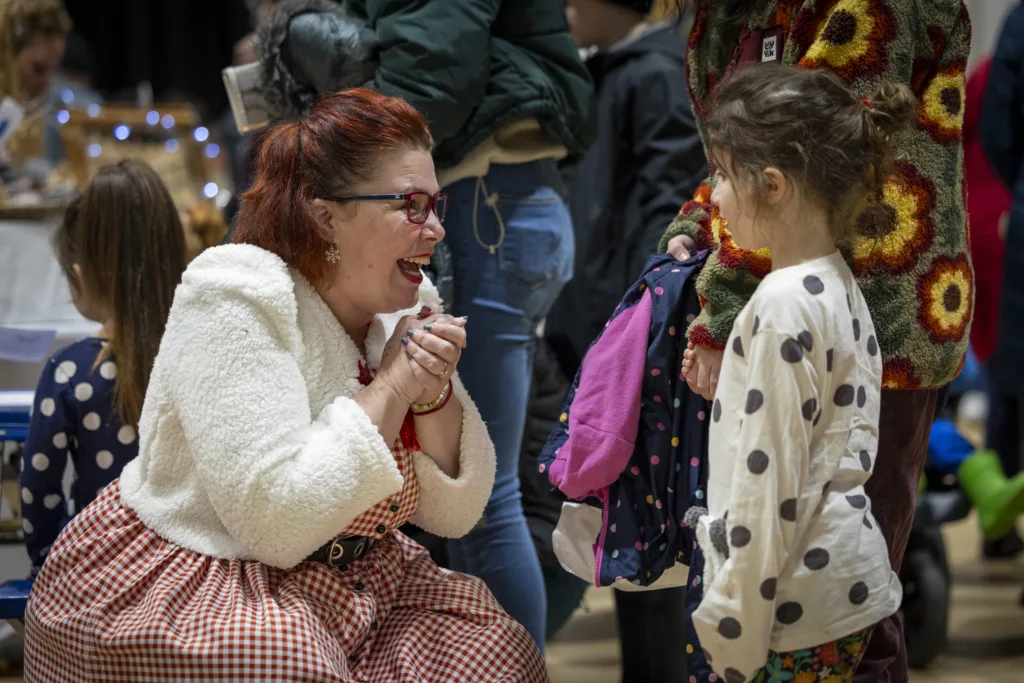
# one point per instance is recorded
(925, 607)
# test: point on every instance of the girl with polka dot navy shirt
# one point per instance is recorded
(74, 416)
(796, 567)
(122, 250)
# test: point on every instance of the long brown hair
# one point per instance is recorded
(125, 235)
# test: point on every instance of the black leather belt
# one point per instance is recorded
(339, 552)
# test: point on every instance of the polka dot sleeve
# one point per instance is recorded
(50, 436)
(774, 417)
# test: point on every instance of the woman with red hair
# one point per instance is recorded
(304, 404)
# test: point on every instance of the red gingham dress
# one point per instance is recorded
(116, 602)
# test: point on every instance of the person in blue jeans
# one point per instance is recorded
(511, 240)
(507, 98)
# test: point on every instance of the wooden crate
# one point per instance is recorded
(165, 138)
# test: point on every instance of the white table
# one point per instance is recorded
(34, 294)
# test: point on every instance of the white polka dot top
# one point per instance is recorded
(793, 439)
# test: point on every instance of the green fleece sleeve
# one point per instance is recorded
(723, 287)
(693, 220)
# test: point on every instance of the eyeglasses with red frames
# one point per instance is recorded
(418, 205)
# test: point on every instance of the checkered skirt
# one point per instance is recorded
(116, 602)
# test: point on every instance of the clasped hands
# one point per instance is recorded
(421, 356)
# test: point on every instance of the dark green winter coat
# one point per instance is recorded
(473, 66)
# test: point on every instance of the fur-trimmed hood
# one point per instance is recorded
(311, 47)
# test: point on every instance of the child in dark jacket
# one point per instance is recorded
(646, 162)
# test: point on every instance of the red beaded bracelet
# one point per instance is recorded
(435, 405)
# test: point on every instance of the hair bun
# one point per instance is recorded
(892, 108)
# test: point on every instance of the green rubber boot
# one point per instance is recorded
(998, 500)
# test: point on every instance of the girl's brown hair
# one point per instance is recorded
(804, 122)
(125, 235)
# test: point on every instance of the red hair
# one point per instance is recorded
(329, 151)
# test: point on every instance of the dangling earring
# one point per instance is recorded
(333, 255)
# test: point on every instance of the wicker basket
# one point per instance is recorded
(163, 137)
(171, 139)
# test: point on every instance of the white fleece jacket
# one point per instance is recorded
(250, 445)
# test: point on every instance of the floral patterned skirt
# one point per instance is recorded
(833, 662)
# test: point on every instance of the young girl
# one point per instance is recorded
(122, 249)
(797, 570)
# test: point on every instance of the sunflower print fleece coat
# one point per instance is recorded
(917, 278)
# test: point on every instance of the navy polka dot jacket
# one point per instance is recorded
(643, 533)
(73, 416)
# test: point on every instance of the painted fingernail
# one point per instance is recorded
(409, 356)
(405, 342)
(427, 308)
(428, 328)
(410, 333)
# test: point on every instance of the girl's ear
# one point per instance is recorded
(776, 186)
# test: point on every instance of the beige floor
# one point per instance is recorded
(986, 642)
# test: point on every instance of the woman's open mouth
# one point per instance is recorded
(410, 267)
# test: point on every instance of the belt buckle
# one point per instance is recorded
(336, 553)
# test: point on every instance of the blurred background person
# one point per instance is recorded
(988, 209)
(988, 212)
(1002, 139)
(506, 97)
(647, 160)
(32, 41)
